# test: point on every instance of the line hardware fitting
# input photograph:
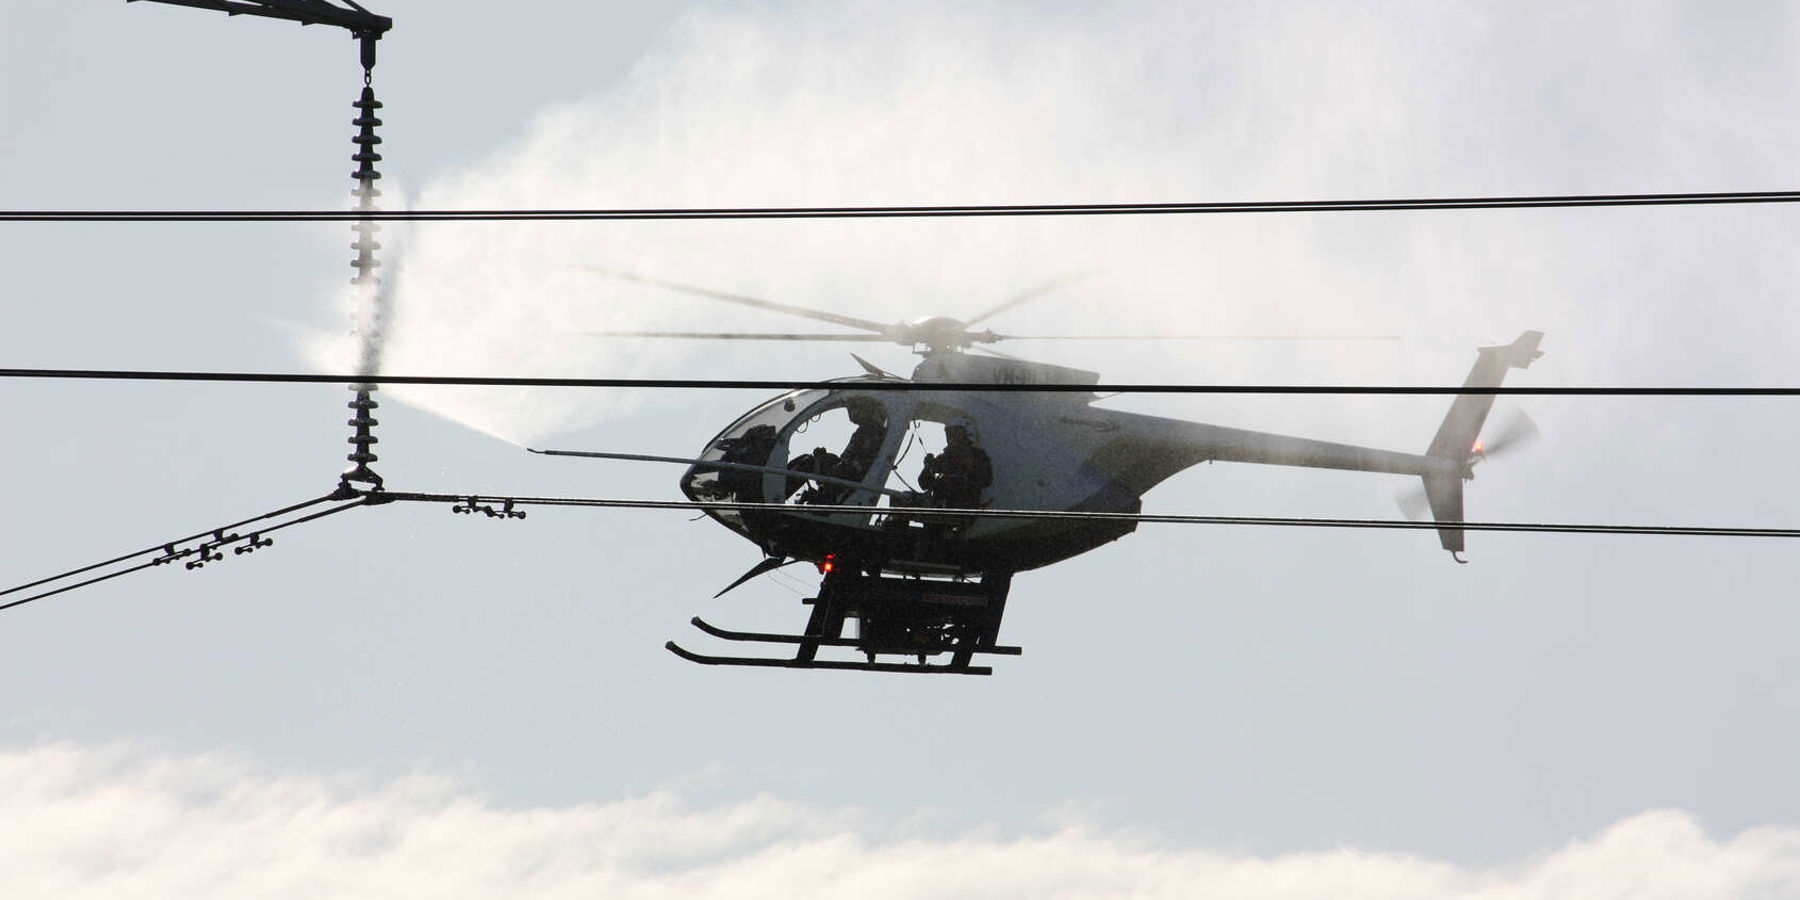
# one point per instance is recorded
(896, 386)
(904, 212)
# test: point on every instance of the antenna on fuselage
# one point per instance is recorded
(871, 368)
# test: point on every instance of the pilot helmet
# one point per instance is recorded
(962, 422)
(867, 411)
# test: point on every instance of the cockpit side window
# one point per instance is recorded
(940, 464)
(840, 441)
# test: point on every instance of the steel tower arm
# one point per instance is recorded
(307, 12)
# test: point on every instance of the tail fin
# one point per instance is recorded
(1455, 440)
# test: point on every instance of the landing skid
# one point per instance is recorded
(851, 665)
(896, 616)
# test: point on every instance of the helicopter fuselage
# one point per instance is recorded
(1049, 451)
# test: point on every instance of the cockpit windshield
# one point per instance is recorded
(748, 442)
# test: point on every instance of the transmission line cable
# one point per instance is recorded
(894, 212)
(207, 551)
(1084, 515)
(485, 503)
(899, 386)
(164, 547)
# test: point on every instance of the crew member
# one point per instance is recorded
(753, 448)
(956, 477)
(870, 419)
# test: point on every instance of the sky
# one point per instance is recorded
(399, 699)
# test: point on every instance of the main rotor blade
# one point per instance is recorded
(740, 299)
(1198, 337)
(1030, 295)
(992, 352)
(739, 336)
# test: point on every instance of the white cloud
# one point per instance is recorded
(122, 822)
(939, 102)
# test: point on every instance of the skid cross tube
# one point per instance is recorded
(767, 638)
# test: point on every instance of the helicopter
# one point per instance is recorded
(913, 561)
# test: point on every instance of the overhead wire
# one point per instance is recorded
(888, 212)
(901, 386)
(160, 547)
(477, 502)
(172, 556)
(1097, 516)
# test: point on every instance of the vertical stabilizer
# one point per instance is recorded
(1455, 439)
(1445, 494)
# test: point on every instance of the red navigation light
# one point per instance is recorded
(1478, 447)
(829, 564)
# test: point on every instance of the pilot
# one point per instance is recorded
(870, 419)
(956, 477)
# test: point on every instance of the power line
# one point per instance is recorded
(211, 543)
(167, 547)
(899, 386)
(208, 550)
(902, 212)
(1085, 515)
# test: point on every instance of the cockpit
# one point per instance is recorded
(822, 448)
(804, 448)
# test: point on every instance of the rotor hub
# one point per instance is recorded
(937, 333)
(940, 334)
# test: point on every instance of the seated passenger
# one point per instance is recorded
(956, 477)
